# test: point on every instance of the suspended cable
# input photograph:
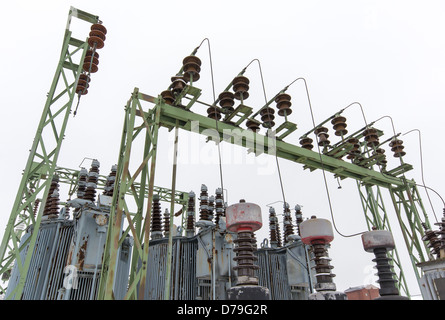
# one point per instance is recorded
(322, 168)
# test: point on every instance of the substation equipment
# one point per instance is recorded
(119, 244)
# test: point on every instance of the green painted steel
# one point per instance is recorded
(45, 148)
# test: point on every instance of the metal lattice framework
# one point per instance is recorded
(410, 212)
(134, 186)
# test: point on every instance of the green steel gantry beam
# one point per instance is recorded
(45, 148)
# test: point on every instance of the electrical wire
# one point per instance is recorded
(323, 170)
(216, 120)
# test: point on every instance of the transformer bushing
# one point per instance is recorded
(93, 176)
(245, 218)
(82, 183)
(275, 239)
(205, 219)
(219, 205)
(109, 185)
(190, 227)
(287, 222)
(156, 219)
(298, 217)
(318, 234)
(166, 223)
(379, 242)
(52, 202)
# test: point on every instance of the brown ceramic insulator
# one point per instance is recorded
(397, 147)
(219, 205)
(355, 148)
(97, 36)
(283, 104)
(83, 174)
(109, 184)
(156, 219)
(371, 137)
(178, 84)
(306, 143)
(287, 224)
(244, 256)
(213, 113)
(204, 204)
(274, 227)
(381, 152)
(191, 212)
(36, 207)
(52, 201)
(432, 239)
(321, 132)
(191, 67)
(267, 116)
(83, 84)
(241, 87)
(167, 95)
(90, 192)
(226, 101)
(322, 262)
(339, 125)
(166, 223)
(90, 64)
(253, 125)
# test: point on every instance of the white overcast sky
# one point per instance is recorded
(387, 55)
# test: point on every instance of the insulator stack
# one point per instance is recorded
(397, 147)
(380, 242)
(245, 257)
(226, 101)
(306, 143)
(433, 240)
(109, 184)
(322, 134)
(339, 125)
(93, 176)
(267, 116)
(97, 36)
(91, 62)
(191, 68)
(168, 97)
(283, 104)
(204, 204)
(214, 113)
(287, 222)
(166, 223)
(298, 218)
(82, 183)
(52, 201)
(244, 219)
(275, 237)
(318, 233)
(241, 87)
(371, 137)
(355, 151)
(83, 84)
(211, 207)
(219, 205)
(190, 228)
(36, 207)
(178, 84)
(253, 125)
(156, 219)
(441, 234)
(381, 152)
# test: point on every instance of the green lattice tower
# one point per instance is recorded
(42, 160)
